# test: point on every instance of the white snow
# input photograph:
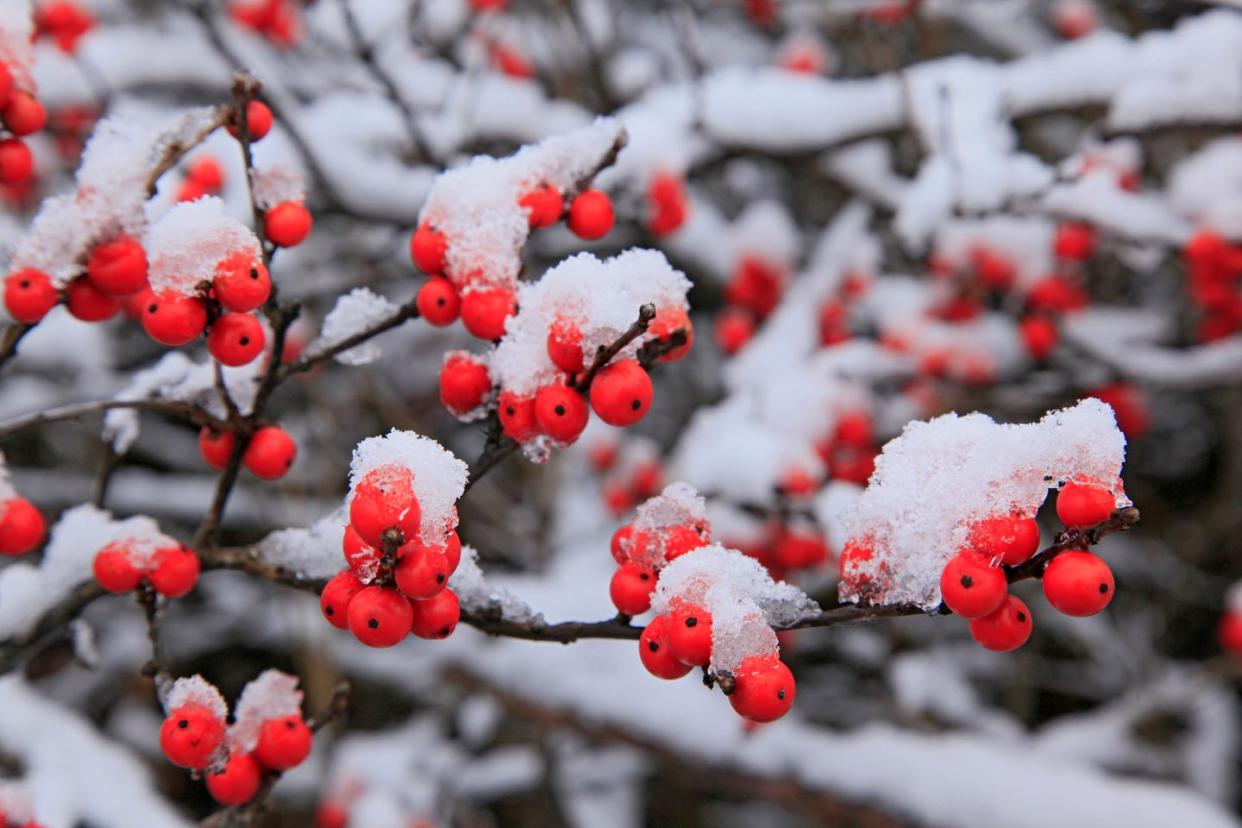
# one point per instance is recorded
(439, 477)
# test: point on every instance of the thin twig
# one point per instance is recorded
(175, 408)
(602, 357)
(404, 313)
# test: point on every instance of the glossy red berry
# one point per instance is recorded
(241, 282)
(1078, 583)
(485, 312)
(215, 447)
(270, 454)
(236, 339)
(384, 499)
(464, 383)
(173, 318)
(799, 550)
(89, 303)
(656, 655)
(238, 782)
(363, 558)
(631, 588)
(517, 416)
(1039, 336)
(678, 540)
(174, 571)
(1080, 505)
(258, 121)
(1004, 629)
(118, 267)
(669, 322)
(6, 81)
(336, 595)
(379, 617)
(284, 743)
(561, 412)
(436, 617)
(287, 224)
(764, 689)
(452, 551)
(115, 570)
(971, 587)
(16, 162)
(191, 736)
(428, 249)
(590, 215)
(21, 526)
(620, 543)
(28, 295)
(438, 302)
(688, 631)
(565, 346)
(23, 114)
(543, 205)
(621, 393)
(422, 572)
(1010, 538)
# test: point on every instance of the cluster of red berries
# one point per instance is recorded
(269, 454)
(848, 454)
(169, 568)
(278, 21)
(975, 585)
(395, 585)
(644, 548)
(632, 472)
(483, 307)
(753, 291)
(21, 526)
(203, 177)
(786, 548)
(1214, 278)
(667, 203)
(22, 114)
(194, 736)
(63, 22)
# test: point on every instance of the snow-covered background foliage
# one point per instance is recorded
(876, 212)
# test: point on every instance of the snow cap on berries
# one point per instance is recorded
(185, 245)
(678, 505)
(940, 477)
(198, 691)
(439, 477)
(140, 537)
(273, 695)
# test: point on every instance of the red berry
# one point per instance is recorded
(89, 303)
(206, 172)
(21, 526)
(16, 162)
(1230, 632)
(238, 782)
(621, 393)
(561, 413)
(795, 550)
(6, 82)
(287, 224)
(656, 655)
(1074, 242)
(115, 570)
(173, 318)
(631, 588)
(242, 282)
(23, 114)
(620, 543)
(191, 736)
(764, 689)
(335, 598)
(464, 383)
(118, 267)
(565, 346)
(216, 448)
(363, 558)
(284, 743)
(270, 454)
(1078, 583)
(517, 416)
(236, 339)
(1080, 505)
(452, 550)
(379, 617)
(688, 631)
(436, 617)
(422, 572)
(331, 815)
(258, 121)
(590, 215)
(484, 312)
(28, 295)
(678, 540)
(1056, 294)
(174, 571)
(993, 270)
(384, 499)
(428, 249)
(972, 588)
(1039, 336)
(667, 322)
(1011, 538)
(853, 429)
(438, 302)
(1005, 628)
(544, 206)
(734, 328)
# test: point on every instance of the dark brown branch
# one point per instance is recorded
(13, 334)
(174, 408)
(404, 313)
(176, 150)
(602, 357)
